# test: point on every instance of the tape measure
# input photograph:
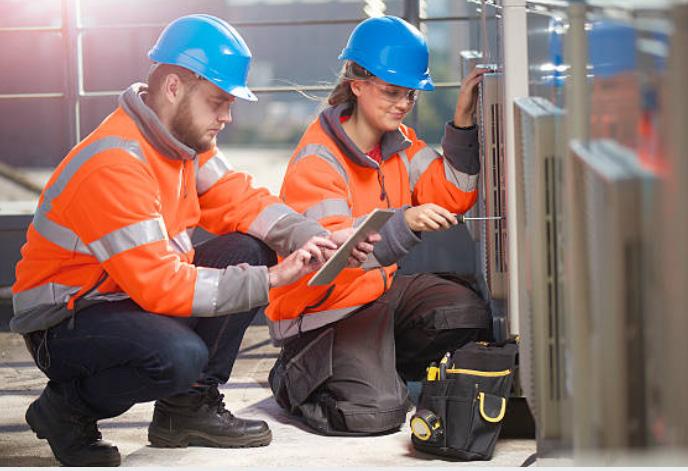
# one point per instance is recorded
(426, 426)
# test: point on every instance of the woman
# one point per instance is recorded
(347, 348)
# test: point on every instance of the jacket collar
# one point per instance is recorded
(150, 125)
(391, 143)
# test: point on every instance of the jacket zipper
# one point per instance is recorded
(383, 192)
(313, 306)
(184, 173)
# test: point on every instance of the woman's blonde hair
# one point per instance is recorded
(342, 91)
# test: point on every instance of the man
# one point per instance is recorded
(116, 305)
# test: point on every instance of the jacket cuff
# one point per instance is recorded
(397, 239)
(291, 232)
(241, 288)
(461, 148)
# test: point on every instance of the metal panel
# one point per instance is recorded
(538, 193)
(667, 321)
(611, 186)
(469, 59)
(493, 240)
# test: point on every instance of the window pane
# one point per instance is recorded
(434, 110)
(14, 13)
(107, 12)
(113, 59)
(303, 55)
(92, 110)
(135, 12)
(36, 62)
(34, 132)
(276, 119)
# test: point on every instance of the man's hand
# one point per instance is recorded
(468, 99)
(429, 217)
(360, 253)
(301, 262)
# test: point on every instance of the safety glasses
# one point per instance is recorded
(393, 93)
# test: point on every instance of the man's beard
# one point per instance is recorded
(184, 130)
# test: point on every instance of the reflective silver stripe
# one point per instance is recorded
(56, 233)
(96, 296)
(328, 207)
(324, 153)
(284, 329)
(206, 290)
(405, 160)
(43, 295)
(462, 181)
(128, 237)
(181, 243)
(420, 163)
(267, 218)
(210, 172)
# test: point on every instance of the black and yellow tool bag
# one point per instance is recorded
(463, 401)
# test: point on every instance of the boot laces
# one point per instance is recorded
(88, 431)
(216, 400)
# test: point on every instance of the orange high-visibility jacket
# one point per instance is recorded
(329, 179)
(115, 222)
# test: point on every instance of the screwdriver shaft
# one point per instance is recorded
(489, 218)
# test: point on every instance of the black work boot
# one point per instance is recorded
(202, 420)
(73, 438)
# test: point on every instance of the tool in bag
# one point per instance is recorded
(463, 401)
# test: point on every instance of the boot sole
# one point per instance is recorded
(33, 421)
(162, 439)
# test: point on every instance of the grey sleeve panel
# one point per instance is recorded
(241, 288)
(461, 148)
(397, 239)
(291, 232)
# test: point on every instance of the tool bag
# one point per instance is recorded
(463, 401)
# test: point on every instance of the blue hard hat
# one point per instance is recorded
(611, 48)
(391, 49)
(209, 47)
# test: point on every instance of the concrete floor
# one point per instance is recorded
(247, 395)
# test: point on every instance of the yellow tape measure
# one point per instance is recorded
(426, 426)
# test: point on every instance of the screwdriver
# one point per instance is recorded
(462, 219)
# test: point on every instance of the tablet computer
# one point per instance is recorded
(330, 269)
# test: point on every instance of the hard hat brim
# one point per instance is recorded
(243, 92)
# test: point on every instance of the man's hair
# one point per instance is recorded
(158, 72)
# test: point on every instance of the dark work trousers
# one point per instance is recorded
(116, 354)
(348, 378)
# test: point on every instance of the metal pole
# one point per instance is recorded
(576, 298)
(412, 12)
(576, 54)
(412, 15)
(675, 231)
(71, 85)
(515, 35)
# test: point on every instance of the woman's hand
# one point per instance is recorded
(305, 260)
(360, 252)
(468, 98)
(429, 217)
